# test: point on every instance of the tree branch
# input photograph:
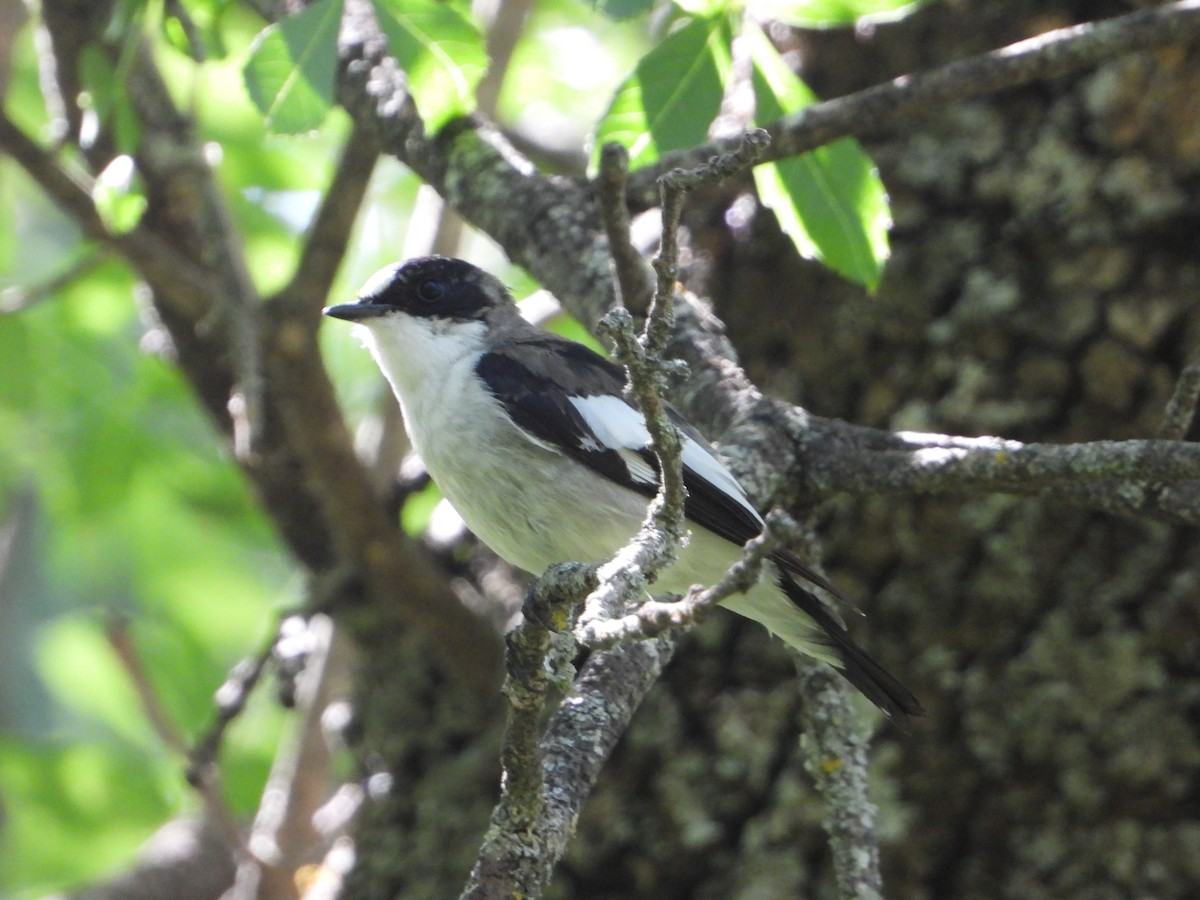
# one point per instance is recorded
(1181, 408)
(1153, 478)
(218, 816)
(153, 257)
(634, 283)
(548, 611)
(329, 234)
(18, 298)
(578, 741)
(941, 464)
(881, 107)
(836, 756)
(786, 456)
(656, 616)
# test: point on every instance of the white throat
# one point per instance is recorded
(413, 351)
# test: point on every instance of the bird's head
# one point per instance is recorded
(434, 288)
(421, 316)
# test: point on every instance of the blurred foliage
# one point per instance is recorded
(119, 506)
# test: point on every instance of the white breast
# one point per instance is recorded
(528, 502)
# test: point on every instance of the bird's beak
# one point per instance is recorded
(354, 312)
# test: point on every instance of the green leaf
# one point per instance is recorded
(290, 72)
(418, 509)
(441, 52)
(829, 13)
(673, 95)
(829, 201)
(620, 10)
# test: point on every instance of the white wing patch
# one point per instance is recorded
(616, 424)
(620, 427)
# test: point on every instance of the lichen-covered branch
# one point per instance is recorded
(1181, 408)
(581, 735)
(1085, 473)
(791, 456)
(532, 671)
(996, 464)
(836, 756)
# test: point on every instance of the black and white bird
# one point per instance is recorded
(531, 439)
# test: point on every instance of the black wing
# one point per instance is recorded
(554, 389)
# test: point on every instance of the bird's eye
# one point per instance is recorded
(431, 290)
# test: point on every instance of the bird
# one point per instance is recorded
(531, 438)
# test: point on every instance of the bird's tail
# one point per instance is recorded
(876, 683)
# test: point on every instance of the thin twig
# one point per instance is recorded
(230, 699)
(504, 27)
(655, 546)
(625, 577)
(1181, 408)
(656, 616)
(195, 40)
(284, 835)
(208, 787)
(150, 255)
(116, 632)
(836, 756)
(634, 284)
(18, 298)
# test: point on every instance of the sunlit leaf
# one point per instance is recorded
(418, 508)
(290, 72)
(673, 95)
(441, 52)
(829, 201)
